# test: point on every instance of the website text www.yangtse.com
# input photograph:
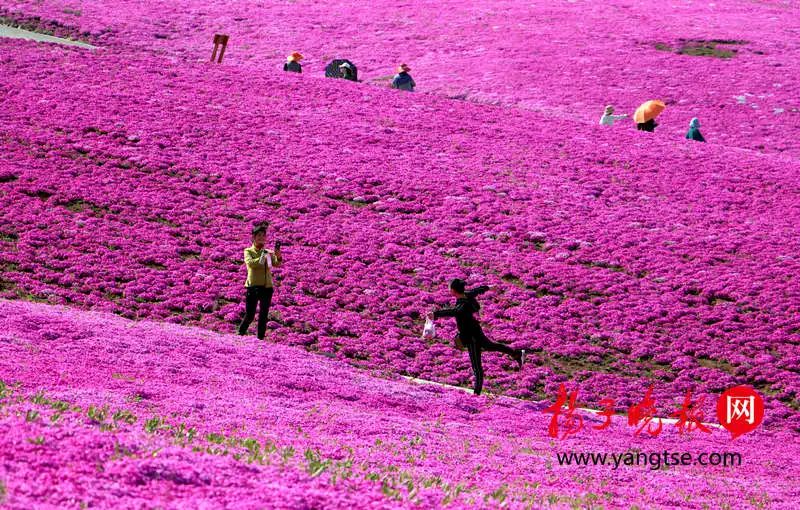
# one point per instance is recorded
(653, 460)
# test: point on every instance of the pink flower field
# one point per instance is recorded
(564, 58)
(96, 411)
(131, 176)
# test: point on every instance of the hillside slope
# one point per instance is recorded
(130, 184)
(99, 411)
(566, 59)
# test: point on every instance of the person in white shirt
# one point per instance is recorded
(608, 117)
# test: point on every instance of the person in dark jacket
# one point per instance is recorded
(346, 72)
(649, 126)
(694, 131)
(402, 80)
(470, 331)
(292, 64)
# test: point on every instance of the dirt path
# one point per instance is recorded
(18, 33)
(584, 409)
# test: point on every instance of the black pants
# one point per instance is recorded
(261, 297)
(477, 343)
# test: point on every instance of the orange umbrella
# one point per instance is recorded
(648, 110)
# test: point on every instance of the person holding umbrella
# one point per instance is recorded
(609, 118)
(259, 285)
(648, 125)
(470, 331)
(694, 131)
(645, 115)
(402, 80)
(292, 64)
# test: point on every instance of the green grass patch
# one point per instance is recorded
(714, 48)
(706, 50)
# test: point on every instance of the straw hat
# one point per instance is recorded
(346, 65)
(294, 57)
(403, 68)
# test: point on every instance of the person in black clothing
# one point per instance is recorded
(470, 331)
(292, 64)
(650, 125)
(346, 72)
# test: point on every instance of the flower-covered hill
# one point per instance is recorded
(733, 64)
(100, 412)
(130, 184)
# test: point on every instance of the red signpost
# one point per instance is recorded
(220, 43)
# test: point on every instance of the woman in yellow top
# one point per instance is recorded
(259, 262)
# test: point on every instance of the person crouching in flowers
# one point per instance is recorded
(609, 118)
(259, 262)
(346, 72)
(648, 126)
(694, 131)
(292, 64)
(402, 80)
(470, 331)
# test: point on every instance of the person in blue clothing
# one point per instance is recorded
(694, 131)
(470, 331)
(402, 80)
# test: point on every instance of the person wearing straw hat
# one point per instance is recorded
(608, 117)
(292, 64)
(694, 131)
(346, 72)
(469, 329)
(402, 80)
